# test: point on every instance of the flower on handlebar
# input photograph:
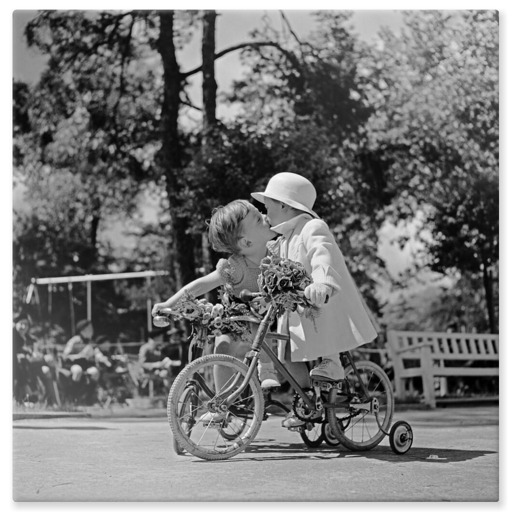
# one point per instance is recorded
(282, 282)
(215, 318)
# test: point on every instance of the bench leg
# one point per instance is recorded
(428, 377)
(401, 387)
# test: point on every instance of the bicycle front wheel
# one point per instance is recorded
(364, 409)
(205, 427)
(187, 409)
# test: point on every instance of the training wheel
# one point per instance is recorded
(329, 437)
(400, 437)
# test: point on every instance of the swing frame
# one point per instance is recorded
(88, 279)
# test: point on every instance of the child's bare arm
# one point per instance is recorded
(196, 288)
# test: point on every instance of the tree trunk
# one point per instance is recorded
(209, 105)
(170, 157)
(209, 83)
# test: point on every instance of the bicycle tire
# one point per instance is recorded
(312, 438)
(187, 403)
(204, 438)
(362, 430)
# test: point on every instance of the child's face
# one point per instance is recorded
(275, 212)
(256, 229)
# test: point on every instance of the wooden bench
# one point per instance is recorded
(430, 355)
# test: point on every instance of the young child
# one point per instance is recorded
(344, 322)
(241, 230)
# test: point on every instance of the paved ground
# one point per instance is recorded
(113, 458)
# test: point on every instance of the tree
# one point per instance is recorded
(434, 135)
(106, 112)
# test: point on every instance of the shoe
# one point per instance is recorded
(212, 417)
(269, 380)
(268, 376)
(328, 369)
(291, 421)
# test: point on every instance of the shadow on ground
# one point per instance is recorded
(273, 450)
(60, 427)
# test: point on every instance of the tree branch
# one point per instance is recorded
(287, 23)
(289, 55)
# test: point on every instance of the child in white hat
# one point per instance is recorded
(344, 322)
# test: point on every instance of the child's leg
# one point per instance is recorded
(299, 370)
(266, 371)
(225, 345)
(300, 373)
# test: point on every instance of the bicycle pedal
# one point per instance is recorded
(324, 385)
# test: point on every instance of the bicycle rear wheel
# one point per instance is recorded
(363, 412)
(206, 429)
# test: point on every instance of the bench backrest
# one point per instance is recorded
(446, 345)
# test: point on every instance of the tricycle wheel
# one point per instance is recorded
(400, 437)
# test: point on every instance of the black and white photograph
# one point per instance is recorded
(256, 254)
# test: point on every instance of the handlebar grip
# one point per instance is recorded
(247, 296)
(161, 321)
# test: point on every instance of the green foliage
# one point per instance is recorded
(459, 307)
(434, 132)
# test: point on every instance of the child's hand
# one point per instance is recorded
(317, 293)
(156, 308)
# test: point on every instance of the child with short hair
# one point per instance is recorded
(240, 230)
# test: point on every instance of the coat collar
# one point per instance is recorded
(286, 228)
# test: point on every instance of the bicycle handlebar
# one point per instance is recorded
(162, 318)
(247, 296)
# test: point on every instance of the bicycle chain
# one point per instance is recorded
(300, 408)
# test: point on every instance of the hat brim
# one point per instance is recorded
(260, 196)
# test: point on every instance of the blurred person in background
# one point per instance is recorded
(81, 358)
(32, 375)
(154, 361)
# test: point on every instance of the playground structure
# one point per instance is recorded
(88, 279)
(48, 303)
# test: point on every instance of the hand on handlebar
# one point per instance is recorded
(160, 309)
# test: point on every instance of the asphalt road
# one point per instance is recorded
(454, 457)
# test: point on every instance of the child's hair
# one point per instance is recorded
(226, 223)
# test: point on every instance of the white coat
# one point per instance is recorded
(344, 322)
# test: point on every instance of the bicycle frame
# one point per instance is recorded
(251, 360)
(235, 389)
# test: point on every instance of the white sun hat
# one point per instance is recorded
(291, 189)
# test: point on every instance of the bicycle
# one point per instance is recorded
(198, 341)
(218, 424)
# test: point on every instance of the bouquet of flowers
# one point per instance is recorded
(216, 318)
(282, 282)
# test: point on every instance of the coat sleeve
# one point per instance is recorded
(323, 254)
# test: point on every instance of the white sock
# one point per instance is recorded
(266, 367)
